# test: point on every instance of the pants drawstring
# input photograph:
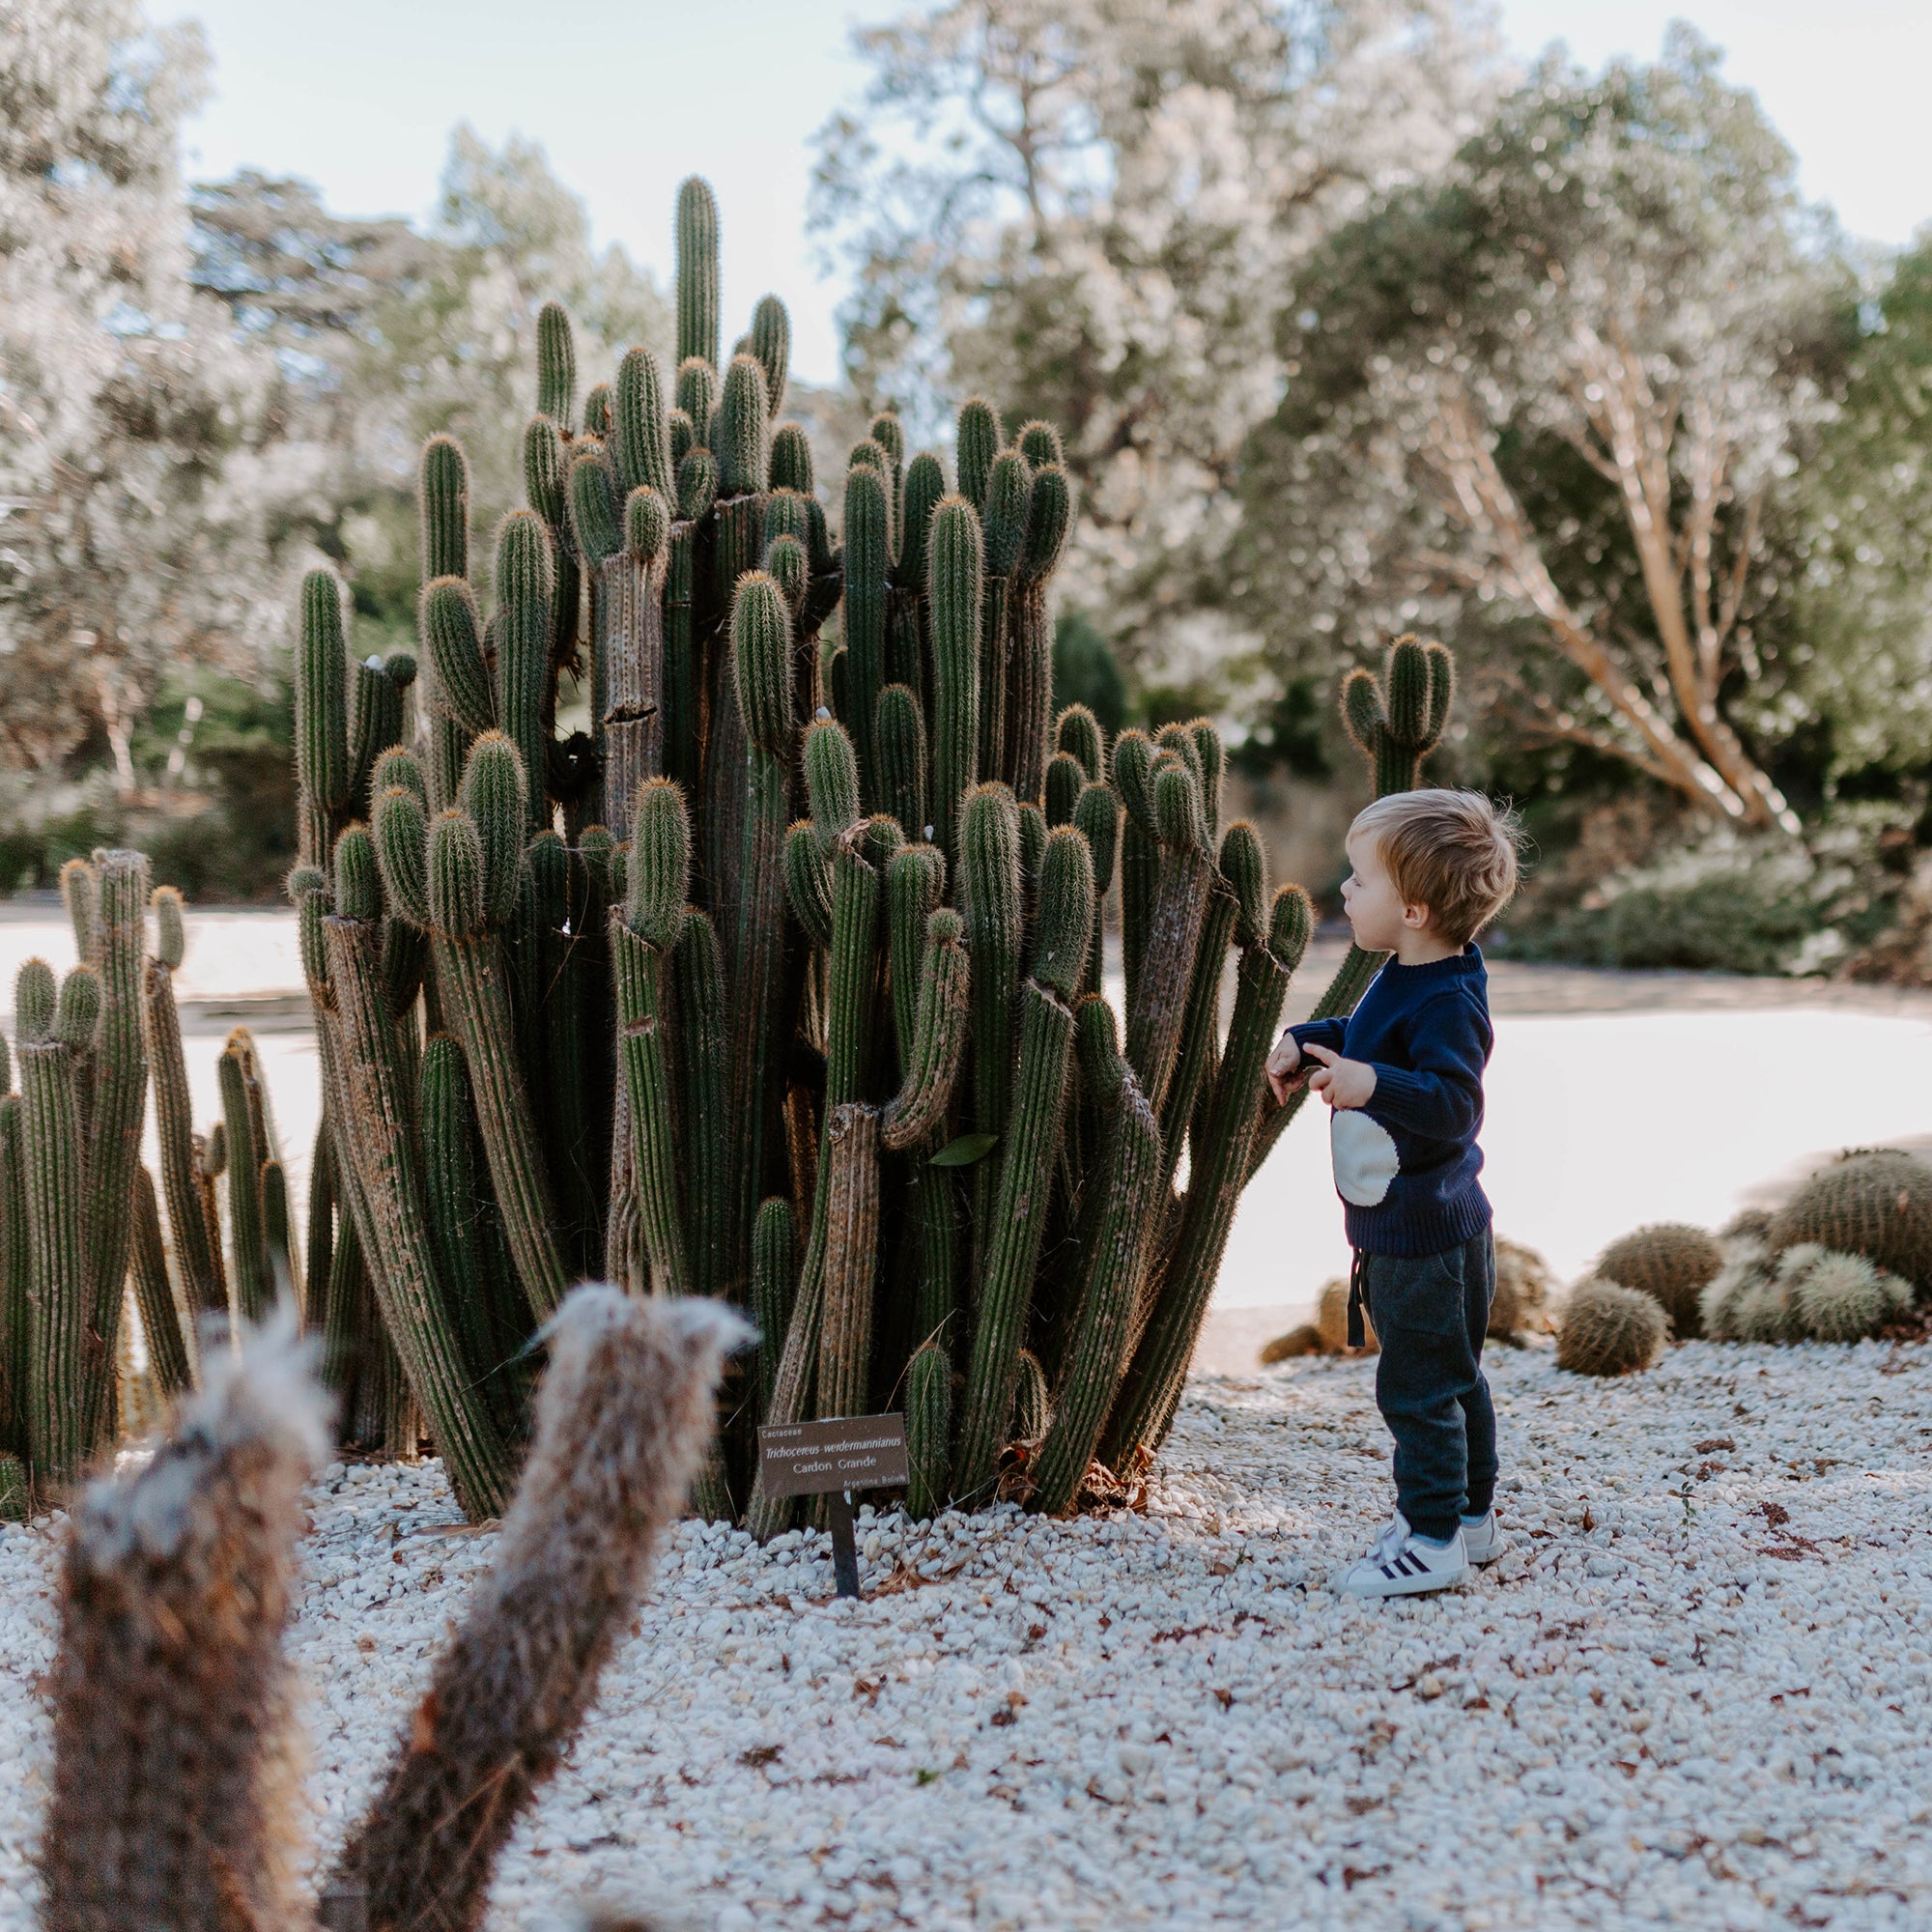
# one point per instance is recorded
(1358, 1271)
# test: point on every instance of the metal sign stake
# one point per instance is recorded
(844, 1551)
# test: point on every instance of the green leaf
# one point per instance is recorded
(965, 1150)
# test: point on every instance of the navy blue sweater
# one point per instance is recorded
(1405, 1165)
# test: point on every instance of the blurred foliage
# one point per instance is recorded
(1086, 671)
(214, 806)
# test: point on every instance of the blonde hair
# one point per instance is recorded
(1452, 851)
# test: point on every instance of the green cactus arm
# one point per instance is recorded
(697, 395)
(712, 1159)
(1159, 1002)
(924, 488)
(643, 1022)
(977, 442)
(284, 1256)
(696, 269)
(563, 1086)
(743, 448)
(1030, 697)
(770, 345)
(442, 504)
(470, 977)
(938, 1036)
(867, 573)
(794, 1385)
(526, 586)
(809, 883)
(593, 493)
(851, 1160)
(683, 720)
(954, 597)
(1149, 1397)
(1077, 733)
(544, 461)
(80, 894)
(120, 1107)
(992, 904)
(492, 799)
(853, 976)
(16, 1262)
(899, 738)
(915, 885)
(1121, 1217)
(929, 1429)
(1013, 1251)
(376, 720)
(831, 783)
(377, 1132)
(1098, 817)
(322, 713)
(1196, 1053)
(202, 1276)
(762, 642)
(248, 1241)
(53, 1161)
(557, 366)
(632, 657)
(641, 426)
(1139, 852)
(450, 1208)
(1063, 923)
(1065, 781)
(774, 1283)
(791, 459)
(161, 1321)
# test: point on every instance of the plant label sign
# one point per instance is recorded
(832, 1459)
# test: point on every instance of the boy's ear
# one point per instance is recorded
(1416, 917)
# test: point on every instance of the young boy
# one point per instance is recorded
(1403, 1077)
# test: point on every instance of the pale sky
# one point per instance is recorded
(629, 95)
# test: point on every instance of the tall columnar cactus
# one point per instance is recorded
(1396, 725)
(841, 939)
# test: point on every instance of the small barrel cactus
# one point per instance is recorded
(1845, 1297)
(1522, 1304)
(1672, 1263)
(1875, 1201)
(1604, 1329)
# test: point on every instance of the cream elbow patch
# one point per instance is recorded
(1365, 1157)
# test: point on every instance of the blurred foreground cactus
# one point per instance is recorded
(782, 982)
(176, 1791)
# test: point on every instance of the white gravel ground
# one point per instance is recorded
(1697, 1693)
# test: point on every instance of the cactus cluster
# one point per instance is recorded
(1874, 1202)
(82, 1218)
(1806, 1292)
(781, 983)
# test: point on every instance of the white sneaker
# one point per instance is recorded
(1483, 1541)
(1399, 1564)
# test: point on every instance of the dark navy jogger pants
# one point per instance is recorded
(1431, 1313)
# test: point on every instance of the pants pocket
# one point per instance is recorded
(1421, 1295)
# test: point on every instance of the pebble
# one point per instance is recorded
(1696, 1692)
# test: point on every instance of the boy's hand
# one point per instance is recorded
(1287, 1069)
(1342, 1083)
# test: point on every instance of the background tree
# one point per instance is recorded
(149, 475)
(1553, 401)
(1090, 208)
